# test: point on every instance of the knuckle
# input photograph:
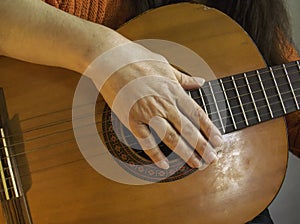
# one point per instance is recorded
(209, 130)
(147, 143)
(171, 138)
(200, 116)
(187, 154)
(199, 112)
(203, 146)
(155, 154)
(188, 130)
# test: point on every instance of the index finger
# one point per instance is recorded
(200, 119)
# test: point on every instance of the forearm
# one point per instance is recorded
(33, 31)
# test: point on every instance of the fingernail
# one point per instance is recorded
(196, 163)
(211, 157)
(199, 80)
(219, 140)
(163, 164)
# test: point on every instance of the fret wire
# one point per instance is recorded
(298, 65)
(290, 84)
(104, 121)
(27, 174)
(5, 148)
(107, 112)
(240, 122)
(276, 86)
(228, 105)
(267, 72)
(253, 92)
(71, 129)
(71, 140)
(239, 99)
(41, 127)
(289, 65)
(255, 82)
(214, 98)
(204, 104)
(246, 104)
(80, 117)
(251, 117)
(252, 97)
(264, 92)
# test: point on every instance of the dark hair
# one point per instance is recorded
(266, 21)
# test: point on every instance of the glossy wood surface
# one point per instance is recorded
(63, 188)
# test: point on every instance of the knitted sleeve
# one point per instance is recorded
(92, 10)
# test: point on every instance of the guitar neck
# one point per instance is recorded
(246, 99)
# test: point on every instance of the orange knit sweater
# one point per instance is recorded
(111, 13)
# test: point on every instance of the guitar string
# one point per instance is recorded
(19, 165)
(48, 135)
(55, 133)
(208, 95)
(74, 161)
(47, 168)
(51, 124)
(224, 82)
(57, 111)
(210, 114)
(78, 160)
(29, 184)
(54, 123)
(104, 132)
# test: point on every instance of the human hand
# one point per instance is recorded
(145, 91)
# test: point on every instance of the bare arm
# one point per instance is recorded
(34, 31)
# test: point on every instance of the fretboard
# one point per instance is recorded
(246, 99)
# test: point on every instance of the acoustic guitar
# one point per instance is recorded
(46, 179)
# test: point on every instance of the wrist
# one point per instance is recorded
(98, 40)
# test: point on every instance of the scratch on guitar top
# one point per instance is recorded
(231, 167)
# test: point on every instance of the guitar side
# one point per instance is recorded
(65, 189)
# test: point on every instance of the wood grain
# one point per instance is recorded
(63, 188)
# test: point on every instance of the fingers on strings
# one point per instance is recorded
(182, 135)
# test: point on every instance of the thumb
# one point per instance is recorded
(188, 82)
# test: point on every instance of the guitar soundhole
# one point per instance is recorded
(127, 152)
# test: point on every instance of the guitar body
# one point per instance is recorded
(61, 187)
